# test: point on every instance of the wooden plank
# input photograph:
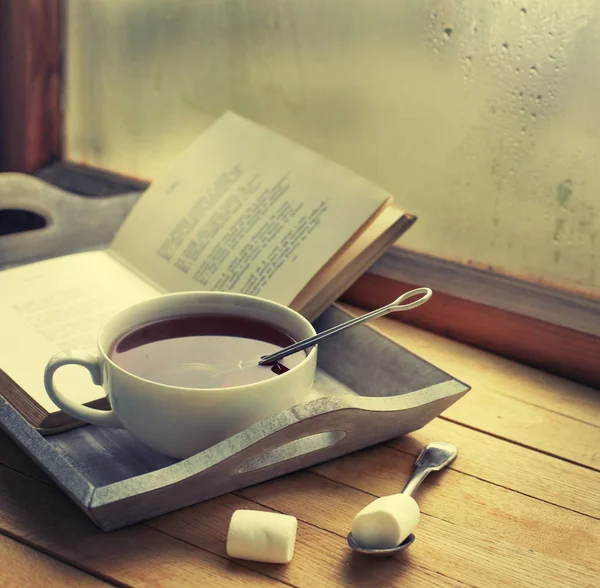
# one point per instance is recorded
(330, 499)
(473, 504)
(321, 558)
(509, 400)
(512, 466)
(531, 426)
(205, 525)
(460, 554)
(483, 369)
(30, 83)
(210, 534)
(43, 516)
(473, 532)
(455, 535)
(23, 566)
(552, 348)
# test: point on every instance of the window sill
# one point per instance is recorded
(549, 329)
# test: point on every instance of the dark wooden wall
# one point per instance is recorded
(30, 83)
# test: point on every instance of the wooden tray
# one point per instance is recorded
(368, 389)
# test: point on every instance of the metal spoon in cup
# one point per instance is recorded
(434, 457)
(398, 304)
(395, 306)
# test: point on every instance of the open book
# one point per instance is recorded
(241, 210)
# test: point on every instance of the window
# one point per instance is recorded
(481, 118)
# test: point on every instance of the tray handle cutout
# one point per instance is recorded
(291, 450)
(15, 219)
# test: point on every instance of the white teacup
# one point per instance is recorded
(181, 421)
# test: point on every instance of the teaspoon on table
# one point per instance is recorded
(399, 304)
(434, 457)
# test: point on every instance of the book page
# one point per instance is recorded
(60, 305)
(245, 210)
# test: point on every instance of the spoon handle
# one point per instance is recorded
(398, 304)
(434, 457)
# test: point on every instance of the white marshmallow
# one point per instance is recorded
(386, 522)
(262, 536)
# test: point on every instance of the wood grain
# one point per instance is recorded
(481, 368)
(549, 347)
(511, 466)
(30, 83)
(534, 427)
(204, 525)
(43, 516)
(447, 529)
(321, 557)
(502, 515)
(509, 400)
(23, 566)
(460, 556)
(506, 515)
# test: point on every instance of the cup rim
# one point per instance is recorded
(171, 295)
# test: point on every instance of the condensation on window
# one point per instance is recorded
(482, 118)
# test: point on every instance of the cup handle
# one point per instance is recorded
(102, 418)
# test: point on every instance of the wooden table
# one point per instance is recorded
(519, 507)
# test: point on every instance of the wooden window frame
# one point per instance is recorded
(30, 83)
(548, 328)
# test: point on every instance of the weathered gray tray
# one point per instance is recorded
(368, 389)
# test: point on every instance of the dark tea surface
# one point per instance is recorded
(191, 351)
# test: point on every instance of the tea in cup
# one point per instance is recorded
(181, 373)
